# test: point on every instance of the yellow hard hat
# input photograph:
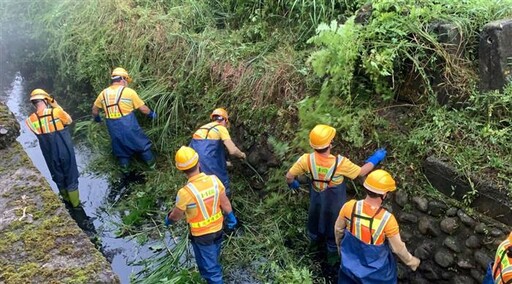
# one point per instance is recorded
(380, 182)
(39, 94)
(220, 112)
(321, 136)
(123, 73)
(186, 158)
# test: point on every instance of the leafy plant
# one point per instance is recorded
(338, 59)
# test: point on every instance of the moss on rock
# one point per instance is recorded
(39, 241)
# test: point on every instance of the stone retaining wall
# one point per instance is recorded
(454, 247)
(39, 241)
(482, 195)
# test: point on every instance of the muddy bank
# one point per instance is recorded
(39, 241)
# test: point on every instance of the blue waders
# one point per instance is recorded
(207, 253)
(127, 138)
(58, 152)
(212, 159)
(488, 278)
(324, 208)
(365, 263)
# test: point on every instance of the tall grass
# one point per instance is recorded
(188, 57)
(172, 265)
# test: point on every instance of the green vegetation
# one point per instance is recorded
(280, 67)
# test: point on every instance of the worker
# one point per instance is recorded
(500, 272)
(364, 231)
(203, 201)
(49, 122)
(327, 185)
(209, 141)
(127, 138)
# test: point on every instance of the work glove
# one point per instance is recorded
(294, 185)
(50, 99)
(52, 102)
(243, 156)
(377, 156)
(151, 114)
(97, 118)
(168, 222)
(231, 221)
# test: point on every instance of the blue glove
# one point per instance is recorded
(97, 118)
(231, 220)
(294, 185)
(377, 156)
(151, 114)
(168, 222)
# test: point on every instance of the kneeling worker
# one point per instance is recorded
(362, 228)
(202, 200)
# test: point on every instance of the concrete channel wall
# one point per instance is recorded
(39, 241)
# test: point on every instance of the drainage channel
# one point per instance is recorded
(122, 253)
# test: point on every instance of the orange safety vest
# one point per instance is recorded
(502, 269)
(321, 175)
(45, 123)
(111, 103)
(368, 229)
(208, 204)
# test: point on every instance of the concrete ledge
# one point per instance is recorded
(489, 199)
(39, 241)
(494, 54)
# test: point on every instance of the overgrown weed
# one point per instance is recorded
(188, 57)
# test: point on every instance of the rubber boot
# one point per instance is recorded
(74, 198)
(151, 164)
(149, 159)
(124, 166)
(314, 247)
(332, 258)
(64, 194)
(125, 170)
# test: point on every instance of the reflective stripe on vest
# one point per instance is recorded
(112, 110)
(42, 124)
(208, 129)
(503, 265)
(356, 220)
(199, 196)
(318, 183)
(502, 273)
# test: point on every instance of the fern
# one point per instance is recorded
(338, 57)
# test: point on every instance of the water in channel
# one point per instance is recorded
(123, 253)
